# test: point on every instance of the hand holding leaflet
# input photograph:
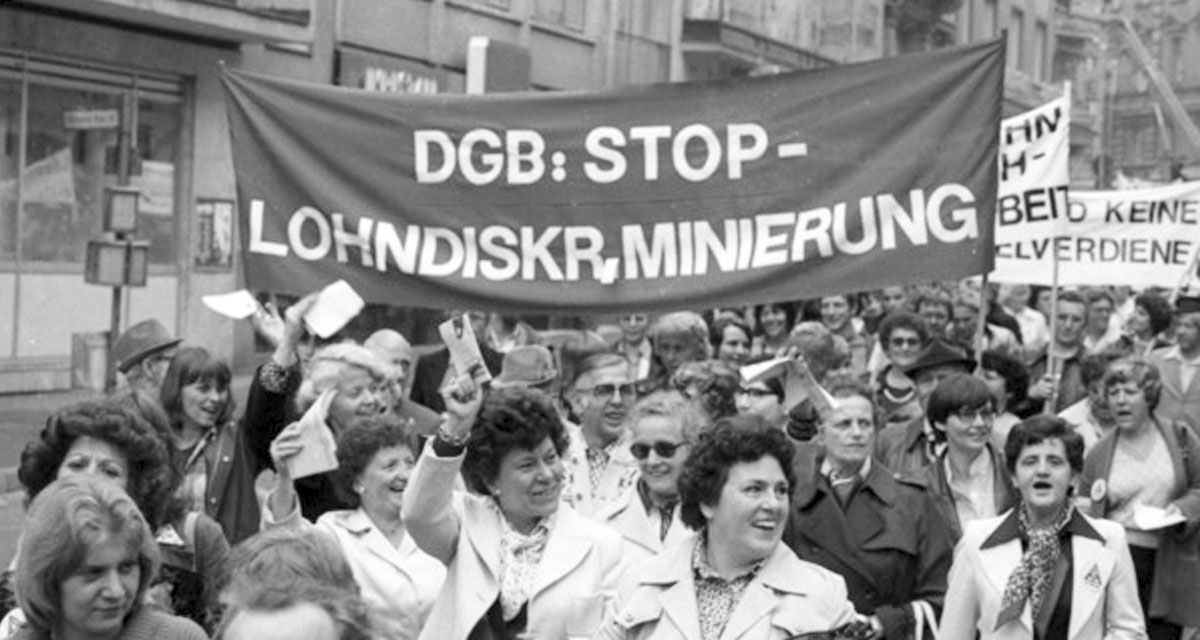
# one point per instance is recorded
(319, 453)
(464, 349)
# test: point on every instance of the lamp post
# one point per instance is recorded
(117, 259)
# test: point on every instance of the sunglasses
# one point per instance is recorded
(969, 415)
(641, 450)
(606, 391)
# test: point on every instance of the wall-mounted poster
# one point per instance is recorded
(214, 233)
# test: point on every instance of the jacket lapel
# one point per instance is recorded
(359, 524)
(483, 529)
(568, 545)
(999, 562)
(628, 517)
(760, 597)
(823, 522)
(1093, 567)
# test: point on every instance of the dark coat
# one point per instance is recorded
(240, 452)
(1004, 493)
(431, 369)
(891, 545)
(902, 448)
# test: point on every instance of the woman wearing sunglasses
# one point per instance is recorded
(663, 426)
(969, 479)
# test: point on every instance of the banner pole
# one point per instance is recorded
(1051, 359)
(981, 325)
(1187, 274)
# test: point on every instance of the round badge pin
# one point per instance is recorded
(1099, 490)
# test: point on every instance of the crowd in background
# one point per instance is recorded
(943, 460)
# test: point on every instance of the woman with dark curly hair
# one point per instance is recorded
(375, 459)
(119, 440)
(518, 560)
(734, 490)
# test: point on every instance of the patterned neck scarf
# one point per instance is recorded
(1032, 576)
(520, 555)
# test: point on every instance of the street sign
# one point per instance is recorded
(92, 119)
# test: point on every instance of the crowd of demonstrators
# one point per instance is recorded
(631, 480)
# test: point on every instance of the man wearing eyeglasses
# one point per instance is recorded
(599, 465)
(969, 479)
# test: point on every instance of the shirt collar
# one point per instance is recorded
(644, 493)
(827, 469)
(704, 571)
(1010, 529)
(980, 467)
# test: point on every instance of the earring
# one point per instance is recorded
(358, 488)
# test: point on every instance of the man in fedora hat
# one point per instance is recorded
(527, 366)
(142, 354)
(1179, 364)
(908, 448)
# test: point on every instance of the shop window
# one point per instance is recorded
(10, 127)
(73, 146)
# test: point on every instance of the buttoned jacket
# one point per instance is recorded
(786, 598)
(891, 545)
(401, 583)
(640, 530)
(902, 448)
(464, 532)
(1104, 598)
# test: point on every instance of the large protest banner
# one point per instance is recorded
(641, 198)
(1032, 192)
(1141, 238)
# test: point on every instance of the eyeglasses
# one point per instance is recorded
(606, 391)
(905, 342)
(641, 450)
(969, 415)
(754, 392)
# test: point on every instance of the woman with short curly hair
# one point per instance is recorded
(517, 558)
(734, 490)
(375, 460)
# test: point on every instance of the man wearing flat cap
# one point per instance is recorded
(908, 448)
(142, 354)
(1179, 364)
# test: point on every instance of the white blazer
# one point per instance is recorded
(627, 516)
(788, 597)
(464, 531)
(1104, 598)
(401, 583)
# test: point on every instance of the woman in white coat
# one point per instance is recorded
(663, 428)
(519, 562)
(1043, 569)
(734, 580)
(375, 459)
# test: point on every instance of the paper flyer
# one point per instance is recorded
(464, 349)
(238, 305)
(336, 305)
(319, 453)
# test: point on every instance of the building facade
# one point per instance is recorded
(96, 94)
